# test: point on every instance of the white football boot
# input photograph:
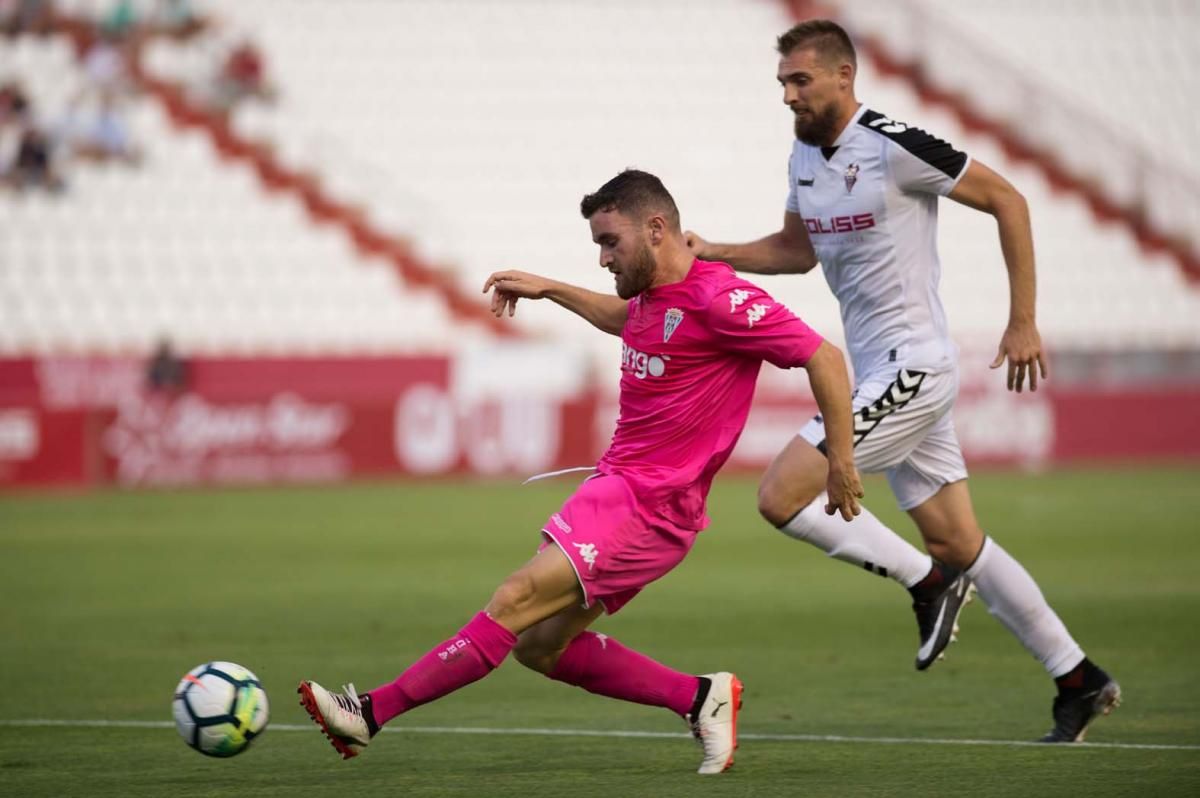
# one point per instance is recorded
(714, 724)
(340, 716)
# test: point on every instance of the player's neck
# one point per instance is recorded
(673, 265)
(845, 115)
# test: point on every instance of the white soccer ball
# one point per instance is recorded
(220, 707)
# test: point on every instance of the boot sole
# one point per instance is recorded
(309, 702)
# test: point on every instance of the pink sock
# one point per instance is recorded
(601, 665)
(473, 653)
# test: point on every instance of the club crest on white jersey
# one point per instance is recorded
(851, 177)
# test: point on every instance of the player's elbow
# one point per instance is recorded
(795, 263)
(1006, 200)
(807, 263)
(793, 257)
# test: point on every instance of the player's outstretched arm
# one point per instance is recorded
(831, 388)
(984, 190)
(787, 252)
(603, 311)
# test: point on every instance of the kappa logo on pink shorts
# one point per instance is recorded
(587, 551)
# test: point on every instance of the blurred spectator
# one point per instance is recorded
(96, 129)
(175, 18)
(121, 19)
(14, 105)
(26, 16)
(240, 76)
(166, 372)
(106, 63)
(34, 165)
(26, 152)
(95, 126)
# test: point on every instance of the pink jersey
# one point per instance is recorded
(690, 358)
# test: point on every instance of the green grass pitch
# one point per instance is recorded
(109, 598)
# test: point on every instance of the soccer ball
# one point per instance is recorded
(219, 708)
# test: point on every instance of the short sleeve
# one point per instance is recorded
(748, 321)
(793, 201)
(921, 163)
(918, 162)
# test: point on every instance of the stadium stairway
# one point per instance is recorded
(322, 207)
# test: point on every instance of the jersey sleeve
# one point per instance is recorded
(748, 321)
(793, 201)
(921, 163)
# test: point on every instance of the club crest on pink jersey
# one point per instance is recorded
(851, 177)
(671, 321)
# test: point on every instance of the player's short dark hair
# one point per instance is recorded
(828, 38)
(634, 193)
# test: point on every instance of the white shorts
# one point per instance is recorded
(903, 427)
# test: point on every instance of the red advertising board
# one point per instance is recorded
(80, 421)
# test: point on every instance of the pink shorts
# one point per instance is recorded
(615, 548)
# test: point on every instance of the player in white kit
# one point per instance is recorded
(863, 202)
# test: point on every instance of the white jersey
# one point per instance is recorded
(870, 205)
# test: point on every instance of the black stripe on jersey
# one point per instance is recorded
(930, 149)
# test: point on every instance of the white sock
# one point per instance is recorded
(1015, 599)
(864, 542)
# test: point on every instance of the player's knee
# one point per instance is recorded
(940, 550)
(778, 503)
(536, 654)
(955, 549)
(514, 596)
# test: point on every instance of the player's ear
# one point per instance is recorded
(846, 75)
(658, 228)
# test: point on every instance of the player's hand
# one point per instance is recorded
(696, 244)
(845, 489)
(509, 286)
(1021, 346)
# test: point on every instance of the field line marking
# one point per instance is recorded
(621, 733)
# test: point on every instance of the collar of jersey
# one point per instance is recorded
(657, 291)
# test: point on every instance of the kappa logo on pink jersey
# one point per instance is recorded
(642, 365)
(736, 298)
(756, 312)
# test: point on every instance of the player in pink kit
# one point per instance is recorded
(694, 336)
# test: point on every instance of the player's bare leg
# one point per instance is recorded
(561, 648)
(948, 524)
(790, 497)
(540, 646)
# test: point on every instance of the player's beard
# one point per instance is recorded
(818, 129)
(636, 276)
